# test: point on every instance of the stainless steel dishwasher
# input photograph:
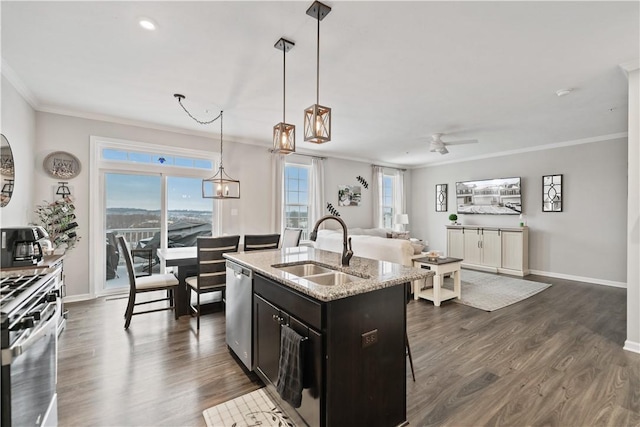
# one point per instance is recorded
(239, 294)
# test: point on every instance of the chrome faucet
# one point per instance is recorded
(347, 252)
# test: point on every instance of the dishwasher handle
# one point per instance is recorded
(239, 270)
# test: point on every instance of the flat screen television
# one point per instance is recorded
(501, 196)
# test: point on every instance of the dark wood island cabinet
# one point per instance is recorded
(354, 355)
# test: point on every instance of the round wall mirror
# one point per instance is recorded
(7, 172)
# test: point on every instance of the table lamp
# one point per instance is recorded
(401, 221)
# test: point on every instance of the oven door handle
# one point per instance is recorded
(8, 354)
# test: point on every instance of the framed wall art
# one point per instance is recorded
(552, 193)
(441, 197)
(349, 195)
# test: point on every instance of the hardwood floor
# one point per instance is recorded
(554, 359)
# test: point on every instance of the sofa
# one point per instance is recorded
(372, 243)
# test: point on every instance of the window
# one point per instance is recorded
(296, 200)
(387, 200)
(118, 155)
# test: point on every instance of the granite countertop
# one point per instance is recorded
(375, 274)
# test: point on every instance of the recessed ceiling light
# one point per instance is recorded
(563, 92)
(147, 24)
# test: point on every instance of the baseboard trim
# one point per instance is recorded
(76, 298)
(632, 346)
(580, 278)
(479, 267)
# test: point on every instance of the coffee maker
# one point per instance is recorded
(21, 246)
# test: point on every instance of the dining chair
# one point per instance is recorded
(257, 242)
(149, 283)
(291, 237)
(212, 273)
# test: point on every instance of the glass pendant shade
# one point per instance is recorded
(220, 186)
(284, 138)
(317, 124)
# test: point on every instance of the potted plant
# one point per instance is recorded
(58, 219)
(453, 218)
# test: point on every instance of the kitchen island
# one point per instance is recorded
(353, 322)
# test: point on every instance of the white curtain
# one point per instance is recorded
(277, 166)
(316, 191)
(376, 189)
(399, 204)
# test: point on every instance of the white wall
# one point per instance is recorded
(18, 125)
(344, 172)
(587, 240)
(633, 221)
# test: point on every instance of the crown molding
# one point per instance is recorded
(122, 121)
(19, 85)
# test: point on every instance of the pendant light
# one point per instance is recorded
(317, 118)
(221, 185)
(284, 134)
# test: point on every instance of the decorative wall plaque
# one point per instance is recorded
(61, 165)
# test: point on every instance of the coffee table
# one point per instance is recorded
(440, 266)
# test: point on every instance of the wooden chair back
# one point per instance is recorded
(129, 262)
(211, 264)
(258, 242)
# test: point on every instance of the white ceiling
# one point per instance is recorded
(392, 72)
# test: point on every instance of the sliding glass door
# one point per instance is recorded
(132, 210)
(150, 195)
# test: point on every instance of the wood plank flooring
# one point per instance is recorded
(555, 359)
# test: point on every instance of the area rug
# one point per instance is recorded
(490, 292)
(251, 409)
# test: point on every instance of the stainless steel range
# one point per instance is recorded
(30, 307)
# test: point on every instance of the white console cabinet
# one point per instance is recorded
(500, 250)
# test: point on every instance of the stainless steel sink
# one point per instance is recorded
(332, 279)
(317, 274)
(302, 270)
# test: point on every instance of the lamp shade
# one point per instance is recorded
(402, 219)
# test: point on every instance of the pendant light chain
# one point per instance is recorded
(220, 186)
(220, 139)
(284, 84)
(318, 62)
(180, 98)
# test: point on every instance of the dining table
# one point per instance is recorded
(186, 261)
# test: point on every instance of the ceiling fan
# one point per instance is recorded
(438, 145)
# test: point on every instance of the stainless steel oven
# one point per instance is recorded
(30, 315)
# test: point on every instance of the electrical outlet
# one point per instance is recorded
(369, 338)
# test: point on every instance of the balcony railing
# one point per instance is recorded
(133, 236)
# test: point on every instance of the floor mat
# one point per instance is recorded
(251, 409)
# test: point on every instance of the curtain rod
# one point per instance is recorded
(389, 167)
(271, 150)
